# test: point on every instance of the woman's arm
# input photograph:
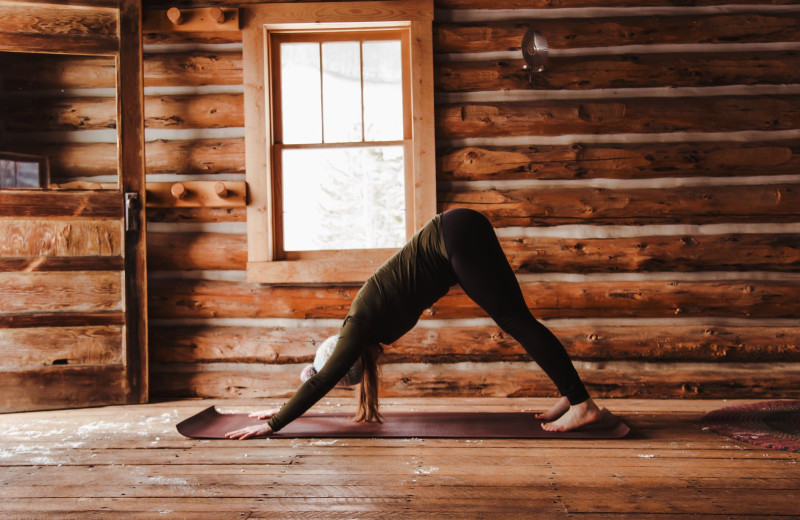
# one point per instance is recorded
(352, 340)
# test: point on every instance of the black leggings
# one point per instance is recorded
(487, 278)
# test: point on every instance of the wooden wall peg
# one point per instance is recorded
(216, 14)
(175, 15)
(221, 190)
(178, 190)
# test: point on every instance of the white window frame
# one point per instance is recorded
(266, 263)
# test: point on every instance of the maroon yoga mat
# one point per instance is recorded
(210, 424)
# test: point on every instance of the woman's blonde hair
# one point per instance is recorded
(367, 392)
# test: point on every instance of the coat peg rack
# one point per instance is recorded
(197, 194)
(199, 19)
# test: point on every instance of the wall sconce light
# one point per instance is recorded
(534, 51)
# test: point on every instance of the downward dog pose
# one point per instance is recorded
(457, 246)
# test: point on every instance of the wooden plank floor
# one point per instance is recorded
(129, 462)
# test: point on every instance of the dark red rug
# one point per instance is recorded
(210, 424)
(771, 424)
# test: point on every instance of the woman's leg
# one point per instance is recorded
(487, 278)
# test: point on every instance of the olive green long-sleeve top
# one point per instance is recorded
(387, 306)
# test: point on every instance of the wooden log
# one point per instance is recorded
(184, 298)
(657, 115)
(479, 344)
(110, 4)
(43, 237)
(183, 157)
(58, 20)
(16, 42)
(208, 344)
(169, 38)
(61, 319)
(40, 114)
(204, 251)
(25, 71)
(681, 253)
(50, 204)
(58, 29)
(618, 31)
(613, 379)
(61, 387)
(193, 68)
(196, 215)
(200, 111)
(86, 291)
(43, 346)
(696, 253)
(618, 161)
(199, 156)
(69, 263)
(622, 71)
(612, 299)
(596, 206)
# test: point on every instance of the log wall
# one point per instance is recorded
(645, 187)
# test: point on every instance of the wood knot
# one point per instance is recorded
(690, 388)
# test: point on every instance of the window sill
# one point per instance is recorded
(315, 267)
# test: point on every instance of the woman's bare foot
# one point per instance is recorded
(578, 415)
(561, 406)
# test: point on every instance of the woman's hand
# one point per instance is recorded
(264, 414)
(257, 430)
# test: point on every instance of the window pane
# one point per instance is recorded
(28, 175)
(344, 198)
(300, 93)
(341, 91)
(8, 178)
(383, 91)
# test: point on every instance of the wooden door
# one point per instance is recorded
(72, 260)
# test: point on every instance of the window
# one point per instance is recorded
(339, 141)
(23, 171)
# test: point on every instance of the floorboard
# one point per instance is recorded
(129, 462)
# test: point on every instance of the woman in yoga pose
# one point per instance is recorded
(458, 246)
